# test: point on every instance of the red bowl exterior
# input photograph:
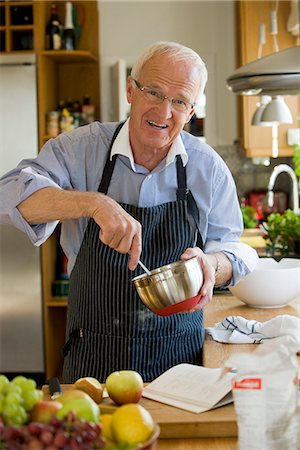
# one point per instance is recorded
(179, 307)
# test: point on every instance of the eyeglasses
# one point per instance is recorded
(156, 97)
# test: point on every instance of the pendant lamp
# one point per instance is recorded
(257, 116)
(274, 74)
(276, 111)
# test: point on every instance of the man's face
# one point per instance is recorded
(156, 126)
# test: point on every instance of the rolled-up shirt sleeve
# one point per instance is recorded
(243, 258)
(225, 226)
(28, 177)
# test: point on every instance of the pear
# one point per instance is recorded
(71, 395)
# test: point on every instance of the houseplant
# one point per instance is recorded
(283, 233)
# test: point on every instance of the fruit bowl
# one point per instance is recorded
(171, 288)
(151, 444)
(272, 284)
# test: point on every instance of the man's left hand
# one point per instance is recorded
(206, 291)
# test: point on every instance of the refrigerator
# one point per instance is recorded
(21, 318)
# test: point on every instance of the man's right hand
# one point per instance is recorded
(118, 229)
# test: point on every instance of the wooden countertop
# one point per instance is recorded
(215, 429)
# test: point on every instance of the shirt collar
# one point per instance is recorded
(121, 146)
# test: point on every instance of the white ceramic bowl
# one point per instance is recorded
(272, 284)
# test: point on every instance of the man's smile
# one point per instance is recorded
(157, 125)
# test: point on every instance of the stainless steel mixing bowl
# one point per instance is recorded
(170, 284)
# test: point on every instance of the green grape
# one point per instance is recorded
(2, 398)
(19, 380)
(31, 398)
(12, 388)
(14, 398)
(9, 411)
(26, 384)
(21, 416)
(30, 384)
(4, 382)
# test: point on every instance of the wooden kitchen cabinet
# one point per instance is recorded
(257, 140)
(62, 74)
(17, 32)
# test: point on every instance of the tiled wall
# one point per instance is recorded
(249, 176)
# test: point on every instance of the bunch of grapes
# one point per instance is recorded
(17, 398)
(68, 434)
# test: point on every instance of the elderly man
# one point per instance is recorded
(143, 187)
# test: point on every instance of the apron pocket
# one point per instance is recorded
(95, 355)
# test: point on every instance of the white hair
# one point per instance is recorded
(176, 51)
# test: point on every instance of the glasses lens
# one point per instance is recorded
(153, 96)
(157, 97)
(179, 105)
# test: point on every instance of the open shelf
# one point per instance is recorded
(67, 56)
(17, 30)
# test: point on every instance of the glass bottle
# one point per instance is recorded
(53, 30)
(69, 32)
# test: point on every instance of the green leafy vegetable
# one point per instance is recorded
(249, 216)
(283, 231)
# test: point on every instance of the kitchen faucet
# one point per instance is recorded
(276, 171)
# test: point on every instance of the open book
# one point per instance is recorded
(190, 387)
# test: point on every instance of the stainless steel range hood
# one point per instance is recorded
(275, 74)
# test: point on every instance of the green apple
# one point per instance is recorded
(124, 386)
(84, 408)
(44, 410)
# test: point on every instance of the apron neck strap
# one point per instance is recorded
(182, 189)
(183, 193)
(109, 164)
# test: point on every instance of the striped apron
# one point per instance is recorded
(108, 326)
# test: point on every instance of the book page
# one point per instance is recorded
(190, 387)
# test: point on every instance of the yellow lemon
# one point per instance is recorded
(105, 420)
(132, 424)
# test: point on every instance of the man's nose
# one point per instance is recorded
(166, 106)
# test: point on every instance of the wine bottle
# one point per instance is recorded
(53, 30)
(69, 32)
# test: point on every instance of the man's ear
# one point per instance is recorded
(129, 89)
(190, 115)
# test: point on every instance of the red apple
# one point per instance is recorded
(44, 410)
(124, 386)
(71, 394)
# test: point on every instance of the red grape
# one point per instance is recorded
(71, 433)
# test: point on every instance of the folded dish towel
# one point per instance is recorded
(238, 330)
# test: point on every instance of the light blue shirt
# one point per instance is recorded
(75, 160)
